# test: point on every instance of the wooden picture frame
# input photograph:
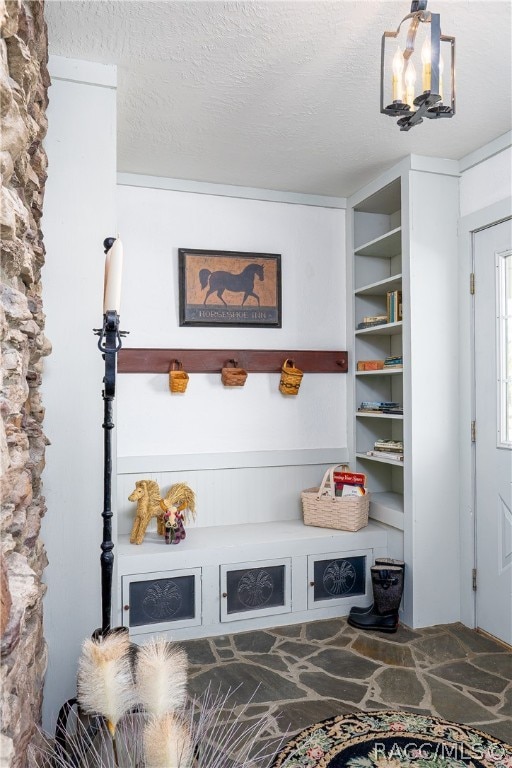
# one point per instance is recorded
(229, 288)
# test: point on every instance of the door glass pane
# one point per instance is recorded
(504, 274)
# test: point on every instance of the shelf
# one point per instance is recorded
(389, 329)
(380, 461)
(383, 247)
(381, 287)
(381, 372)
(380, 415)
(387, 507)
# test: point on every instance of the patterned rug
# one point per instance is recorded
(392, 740)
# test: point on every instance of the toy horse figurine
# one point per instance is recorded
(147, 496)
(176, 507)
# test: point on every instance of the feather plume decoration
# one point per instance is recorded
(161, 677)
(105, 681)
(167, 743)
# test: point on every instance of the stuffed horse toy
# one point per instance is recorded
(147, 496)
(176, 507)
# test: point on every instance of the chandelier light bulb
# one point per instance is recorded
(398, 68)
(426, 60)
(410, 80)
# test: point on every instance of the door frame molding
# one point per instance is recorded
(468, 226)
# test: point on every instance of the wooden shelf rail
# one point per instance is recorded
(213, 360)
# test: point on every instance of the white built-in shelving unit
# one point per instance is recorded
(402, 235)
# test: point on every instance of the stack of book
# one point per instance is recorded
(369, 406)
(391, 450)
(394, 306)
(395, 361)
(370, 320)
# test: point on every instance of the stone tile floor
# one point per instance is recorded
(305, 673)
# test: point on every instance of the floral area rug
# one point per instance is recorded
(392, 740)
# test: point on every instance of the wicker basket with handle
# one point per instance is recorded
(291, 378)
(322, 508)
(178, 378)
(233, 376)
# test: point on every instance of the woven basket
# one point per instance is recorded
(233, 377)
(323, 509)
(178, 378)
(291, 378)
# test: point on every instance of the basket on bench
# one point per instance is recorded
(322, 508)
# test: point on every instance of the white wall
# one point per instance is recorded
(79, 212)
(486, 183)
(209, 418)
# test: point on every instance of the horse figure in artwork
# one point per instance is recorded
(243, 282)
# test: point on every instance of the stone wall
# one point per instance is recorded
(23, 100)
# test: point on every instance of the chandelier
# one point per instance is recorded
(409, 90)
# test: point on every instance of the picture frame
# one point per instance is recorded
(229, 288)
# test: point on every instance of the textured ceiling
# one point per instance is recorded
(279, 95)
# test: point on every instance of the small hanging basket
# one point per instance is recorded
(233, 376)
(291, 378)
(178, 378)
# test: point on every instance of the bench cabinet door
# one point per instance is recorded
(165, 600)
(339, 577)
(261, 588)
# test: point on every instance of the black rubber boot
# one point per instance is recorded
(358, 610)
(388, 587)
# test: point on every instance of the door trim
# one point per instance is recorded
(468, 226)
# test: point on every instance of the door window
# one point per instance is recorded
(504, 357)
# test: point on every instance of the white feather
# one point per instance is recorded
(167, 743)
(105, 682)
(161, 677)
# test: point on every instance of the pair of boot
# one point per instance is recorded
(388, 586)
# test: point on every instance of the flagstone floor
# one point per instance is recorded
(305, 673)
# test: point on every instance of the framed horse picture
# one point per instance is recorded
(229, 288)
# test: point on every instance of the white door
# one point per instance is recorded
(493, 412)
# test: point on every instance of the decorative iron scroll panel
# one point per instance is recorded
(344, 577)
(162, 600)
(251, 589)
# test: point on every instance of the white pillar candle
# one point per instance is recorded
(113, 275)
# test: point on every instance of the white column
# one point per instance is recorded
(79, 212)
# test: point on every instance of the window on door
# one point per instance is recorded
(504, 357)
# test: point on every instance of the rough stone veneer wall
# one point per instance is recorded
(23, 99)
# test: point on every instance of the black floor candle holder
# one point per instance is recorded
(109, 344)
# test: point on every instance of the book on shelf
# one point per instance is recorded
(393, 361)
(370, 365)
(379, 407)
(394, 306)
(389, 445)
(398, 457)
(371, 323)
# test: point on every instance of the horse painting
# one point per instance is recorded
(243, 282)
